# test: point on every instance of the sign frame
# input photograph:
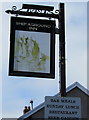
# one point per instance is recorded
(20, 24)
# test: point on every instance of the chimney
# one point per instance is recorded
(29, 108)
(25, 110)
(31, 104)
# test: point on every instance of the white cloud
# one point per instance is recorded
(76, 32)
(0, 61)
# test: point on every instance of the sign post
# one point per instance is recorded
(62, 65)
(43, 11)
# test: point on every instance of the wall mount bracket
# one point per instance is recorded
(35, 10)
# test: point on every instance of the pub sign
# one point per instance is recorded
(32, 47)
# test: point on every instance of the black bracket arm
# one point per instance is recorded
(35, 10)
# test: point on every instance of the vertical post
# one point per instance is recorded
(62, 66)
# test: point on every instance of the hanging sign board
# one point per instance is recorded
(62, 107)
(32, 48)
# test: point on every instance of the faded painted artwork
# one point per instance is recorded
(32, 51)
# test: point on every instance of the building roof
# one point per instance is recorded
(74, 85)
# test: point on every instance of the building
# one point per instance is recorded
(74, 90)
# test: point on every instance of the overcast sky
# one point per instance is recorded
(18, 91)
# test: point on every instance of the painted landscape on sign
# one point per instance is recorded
(32, 51)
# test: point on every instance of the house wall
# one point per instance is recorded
(38, 115)
(84, 101)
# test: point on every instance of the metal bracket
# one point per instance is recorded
(57, 31)
(35, 10)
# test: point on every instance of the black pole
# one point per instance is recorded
(62, 66)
